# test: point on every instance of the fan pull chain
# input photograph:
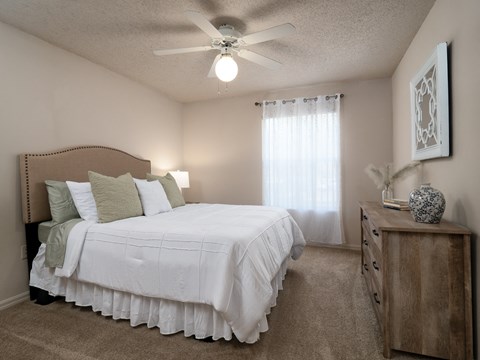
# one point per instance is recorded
(218, 87)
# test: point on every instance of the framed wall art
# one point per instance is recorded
(429, 107)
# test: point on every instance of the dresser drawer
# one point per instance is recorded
(373, 262)
(371, 229)
(373, 289)
(366, 266)
(376, 262)
(376, 298)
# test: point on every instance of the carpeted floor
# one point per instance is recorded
(322, 313)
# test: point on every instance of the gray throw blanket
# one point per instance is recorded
(57, 243)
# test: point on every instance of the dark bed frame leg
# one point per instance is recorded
(43, 298)
(31, 234)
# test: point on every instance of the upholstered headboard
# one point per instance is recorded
(69, 164)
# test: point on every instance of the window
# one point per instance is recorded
(301, 163)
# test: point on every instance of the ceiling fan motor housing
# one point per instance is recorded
(229, 38)
(229, 32)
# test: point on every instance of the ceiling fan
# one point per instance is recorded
(228, 41)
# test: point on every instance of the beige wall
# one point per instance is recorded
(458, 23)
(50, 99)
(222, 150)
(223, 145)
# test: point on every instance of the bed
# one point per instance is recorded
(209, 270)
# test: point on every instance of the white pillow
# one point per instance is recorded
(153, 197)
(84, 201)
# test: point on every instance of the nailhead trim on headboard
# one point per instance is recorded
(27, 186)
(81, 148)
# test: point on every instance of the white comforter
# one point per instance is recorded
(222, 255)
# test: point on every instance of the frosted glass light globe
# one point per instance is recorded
(226, 68)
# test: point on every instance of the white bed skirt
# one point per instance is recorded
(199, 320)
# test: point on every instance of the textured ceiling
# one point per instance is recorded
(340, 40)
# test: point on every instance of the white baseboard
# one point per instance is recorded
(339, 246)
(14, 300)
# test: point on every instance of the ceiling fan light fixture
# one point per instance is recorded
(226, 68)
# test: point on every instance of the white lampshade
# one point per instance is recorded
(181, 178)
(226, 68)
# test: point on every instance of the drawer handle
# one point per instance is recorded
(365, 217)
(365, 266)
(375, 232)
(365, 242)
(375, 266)
(375, 296)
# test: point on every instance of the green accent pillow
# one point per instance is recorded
(116, 198)
(171, 188)
(61, 203)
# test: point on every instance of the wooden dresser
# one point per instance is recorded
(419, 280)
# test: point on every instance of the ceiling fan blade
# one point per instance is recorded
(269, 34)
(200, 20)
(259, 59)
(211, 73)
(181, 50)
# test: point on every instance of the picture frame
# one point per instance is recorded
(430, 108)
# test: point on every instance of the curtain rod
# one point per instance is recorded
(327, 97)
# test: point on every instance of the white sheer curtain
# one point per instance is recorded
(301, 164)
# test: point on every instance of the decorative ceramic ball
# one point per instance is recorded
(426, 204)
